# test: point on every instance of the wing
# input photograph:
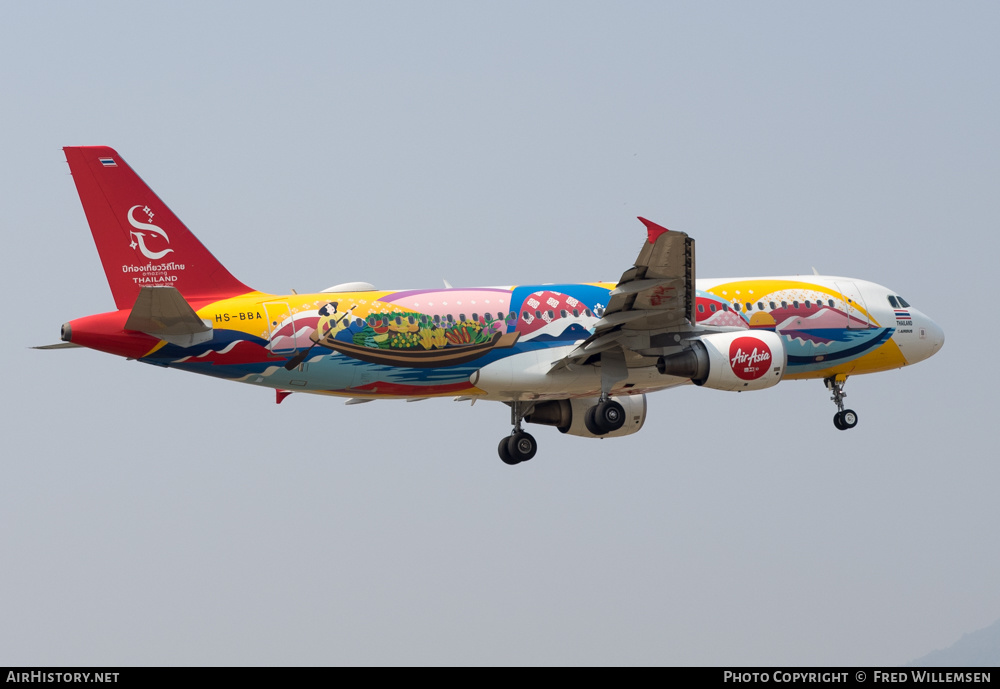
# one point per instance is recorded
(655, 295)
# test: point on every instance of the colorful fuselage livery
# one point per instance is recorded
(577, 356)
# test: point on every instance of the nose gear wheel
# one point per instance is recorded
(844, 419)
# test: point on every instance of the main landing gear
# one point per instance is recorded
(519, 446)
(844, 419)
(604, 417)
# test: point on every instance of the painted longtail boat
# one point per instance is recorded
(451, 355)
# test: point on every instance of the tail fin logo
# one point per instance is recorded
(139, 238)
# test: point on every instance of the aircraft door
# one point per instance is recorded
(857, 312)
(280, 326)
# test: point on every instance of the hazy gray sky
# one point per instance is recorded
(157, 517)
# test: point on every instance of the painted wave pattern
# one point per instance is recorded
(818, 328)
(816, 336)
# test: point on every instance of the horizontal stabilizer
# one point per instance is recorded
(163, 313)
(59, 345)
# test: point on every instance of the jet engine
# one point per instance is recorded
(568, 415)
(737, 361)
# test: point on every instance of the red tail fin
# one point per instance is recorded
(141, 242)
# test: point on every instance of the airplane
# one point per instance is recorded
(580, 357)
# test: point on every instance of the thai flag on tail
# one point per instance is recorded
(108, 162)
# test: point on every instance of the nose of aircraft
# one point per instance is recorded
(934, 336)
(925, 339)
(918, 339)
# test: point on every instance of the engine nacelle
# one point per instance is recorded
(741, 360)
(567, 415)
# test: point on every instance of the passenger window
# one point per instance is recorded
(736, 307)
(830, 302)
(760, 306)
(784, 304)
(808, 305)
(562, 313)
(749, 306)
(712, 307)
(589, 314)
(771, 304)
(701, 308)
(795, 303)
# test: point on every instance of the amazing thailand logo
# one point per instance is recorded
(150, 273)
(139, 238)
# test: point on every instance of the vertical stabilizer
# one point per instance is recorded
(141, 242)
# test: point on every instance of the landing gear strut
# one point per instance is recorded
(519, 446)
(844, 419)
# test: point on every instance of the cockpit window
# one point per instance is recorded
(892, 302)
(902, 302)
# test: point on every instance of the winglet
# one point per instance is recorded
(653, 229)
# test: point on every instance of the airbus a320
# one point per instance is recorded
(581, 357)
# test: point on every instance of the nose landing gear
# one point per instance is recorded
(844, 419)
